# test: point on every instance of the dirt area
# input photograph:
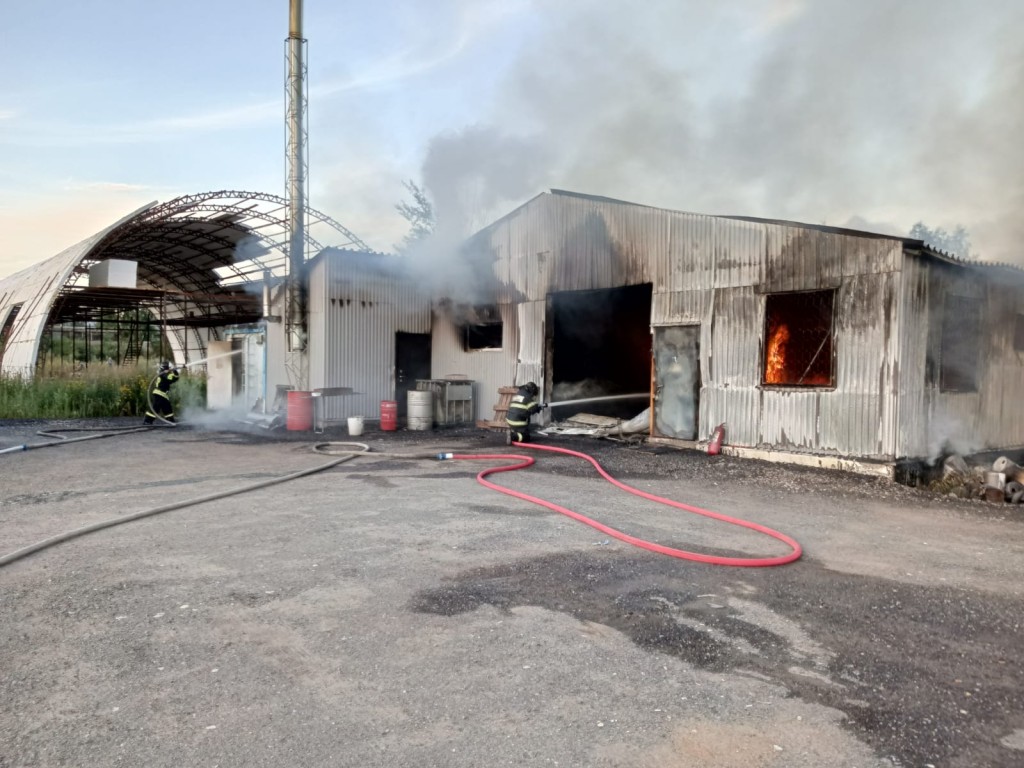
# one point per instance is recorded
(390, 611)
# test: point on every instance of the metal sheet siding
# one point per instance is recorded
(740, 253)
(930, 420)
(488, 368)
(789, 418)
(1003, 390)
(992, 417)
(738, 408)
(716, 272)
(735, 338)
(854, 418)
(358, 314)
(680, 307)
(912, 400)
(598, 244)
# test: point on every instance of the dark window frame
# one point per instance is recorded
(809, 347)
(487, 333)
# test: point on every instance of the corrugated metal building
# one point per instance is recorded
(369, 331)
(798, 337)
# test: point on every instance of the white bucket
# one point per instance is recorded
(355, 425)
(421, 409)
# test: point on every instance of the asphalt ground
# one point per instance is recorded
(390, 611)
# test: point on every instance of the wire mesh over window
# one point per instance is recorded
(961, 337)
(799, 340)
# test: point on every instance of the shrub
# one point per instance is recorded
(95, 393)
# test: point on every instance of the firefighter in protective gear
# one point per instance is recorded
(160, 398)
(524, 404)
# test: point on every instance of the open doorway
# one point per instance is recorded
(599, 345)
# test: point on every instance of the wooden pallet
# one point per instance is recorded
(505, 395)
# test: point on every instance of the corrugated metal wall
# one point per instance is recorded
(931, 420)
(354, 314)
(716, 272)
(489, 369)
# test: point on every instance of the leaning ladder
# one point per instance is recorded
(505, 395)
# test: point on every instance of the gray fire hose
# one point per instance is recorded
(68, 535)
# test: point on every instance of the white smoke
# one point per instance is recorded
(946, 435)
(828, 112)
(469, 176)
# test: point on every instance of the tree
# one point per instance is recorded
(419, 214)
(957, 242)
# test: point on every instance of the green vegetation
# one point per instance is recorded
(94, 393)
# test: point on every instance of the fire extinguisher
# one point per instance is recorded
(715, 444)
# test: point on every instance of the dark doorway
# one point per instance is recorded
(412, 361)
(600, 345)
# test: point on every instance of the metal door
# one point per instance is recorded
(677, 381)
(412, 362)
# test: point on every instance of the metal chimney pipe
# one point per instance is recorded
(296, 180)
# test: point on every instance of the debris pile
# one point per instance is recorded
(592, 425)
(1003, 482)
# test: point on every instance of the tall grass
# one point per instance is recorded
(94, 393)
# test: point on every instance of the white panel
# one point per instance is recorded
(114, 273)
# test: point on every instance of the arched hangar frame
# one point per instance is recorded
(201, 261)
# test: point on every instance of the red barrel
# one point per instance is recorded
(300, 411)
(389, 415)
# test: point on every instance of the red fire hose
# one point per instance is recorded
(525, 461)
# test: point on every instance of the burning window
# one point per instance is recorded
(799, 340)
(481, 327)
(961, 337)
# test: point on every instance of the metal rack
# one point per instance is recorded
(453, 400)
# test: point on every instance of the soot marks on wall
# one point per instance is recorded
(601, 345)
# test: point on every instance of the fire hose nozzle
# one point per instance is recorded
(444, 456)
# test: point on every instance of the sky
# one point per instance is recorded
(874, 114)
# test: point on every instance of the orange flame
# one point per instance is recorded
(775, 362)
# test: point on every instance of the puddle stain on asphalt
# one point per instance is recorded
(923, 674)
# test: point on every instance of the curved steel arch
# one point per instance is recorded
(204, 246)
(185, 206)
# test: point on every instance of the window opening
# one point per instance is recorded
(481, 327)
(799, 339)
